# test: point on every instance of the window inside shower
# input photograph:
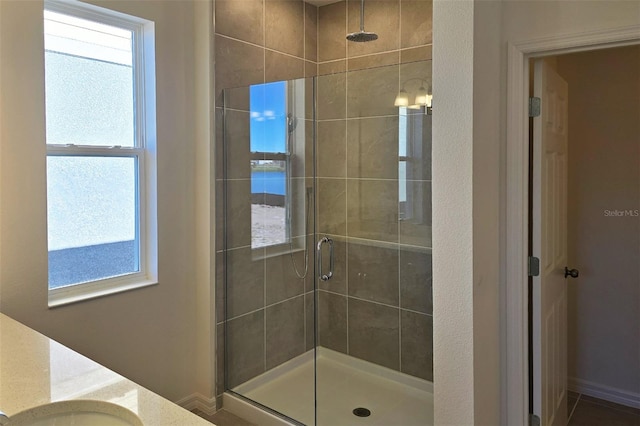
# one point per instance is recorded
(411, 165)
(269, 164)
(278, 201)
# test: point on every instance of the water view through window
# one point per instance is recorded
(269, 164)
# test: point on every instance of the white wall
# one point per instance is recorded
(204, 214)
(148, 335)
(452, 159)
(532, 19)
(604, 174)
(486, 212)
(466, 72)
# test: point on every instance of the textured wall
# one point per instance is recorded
(453, 343)
(128, 331)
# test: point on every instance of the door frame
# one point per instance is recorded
(514, 295)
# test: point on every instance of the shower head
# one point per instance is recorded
(362, 35)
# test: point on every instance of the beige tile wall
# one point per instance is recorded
(378, 305)
(259, 41)
(270, 319)
(403, 26)
(381, 311)
(381, 293)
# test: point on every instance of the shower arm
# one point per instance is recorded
(362, 35)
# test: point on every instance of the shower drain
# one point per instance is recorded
(362, 412)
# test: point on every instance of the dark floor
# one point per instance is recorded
(588, 411)
(224, 418)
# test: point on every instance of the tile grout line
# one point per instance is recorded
(384, 52)
(574, 408)
(370, 117)
(375, 302)
(264, 42)
(400, 32)
(339, 178)
(265, 307)
(318, 39)
(358, 240)
(270, 49)
(610, 405)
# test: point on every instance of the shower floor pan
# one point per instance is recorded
(345, 384)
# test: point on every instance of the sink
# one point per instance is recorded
(74, 412)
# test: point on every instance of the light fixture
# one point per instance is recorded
(402, 100)
(423, 97)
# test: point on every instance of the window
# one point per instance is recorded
(99, 78)
(270, 156)
(281, 202)
(410, 164)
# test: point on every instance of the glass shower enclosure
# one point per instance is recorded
(326, 247)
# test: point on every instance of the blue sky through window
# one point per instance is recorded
(268, 117)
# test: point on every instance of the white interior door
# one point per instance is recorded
(550, 246)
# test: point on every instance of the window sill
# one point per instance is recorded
(267, 252)
(81, 292)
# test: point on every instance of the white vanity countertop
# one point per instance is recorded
(36, 370)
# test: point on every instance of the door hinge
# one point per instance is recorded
(534, 107)
(534, 266)
(534, 420)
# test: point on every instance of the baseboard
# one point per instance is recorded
(608, 393)
(197, 401)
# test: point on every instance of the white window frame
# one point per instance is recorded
(144, 152)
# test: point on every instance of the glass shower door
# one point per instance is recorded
(269, 239)
(327, 246)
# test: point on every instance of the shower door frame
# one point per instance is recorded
(238, 400)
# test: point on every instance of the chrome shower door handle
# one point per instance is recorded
(321, 274)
